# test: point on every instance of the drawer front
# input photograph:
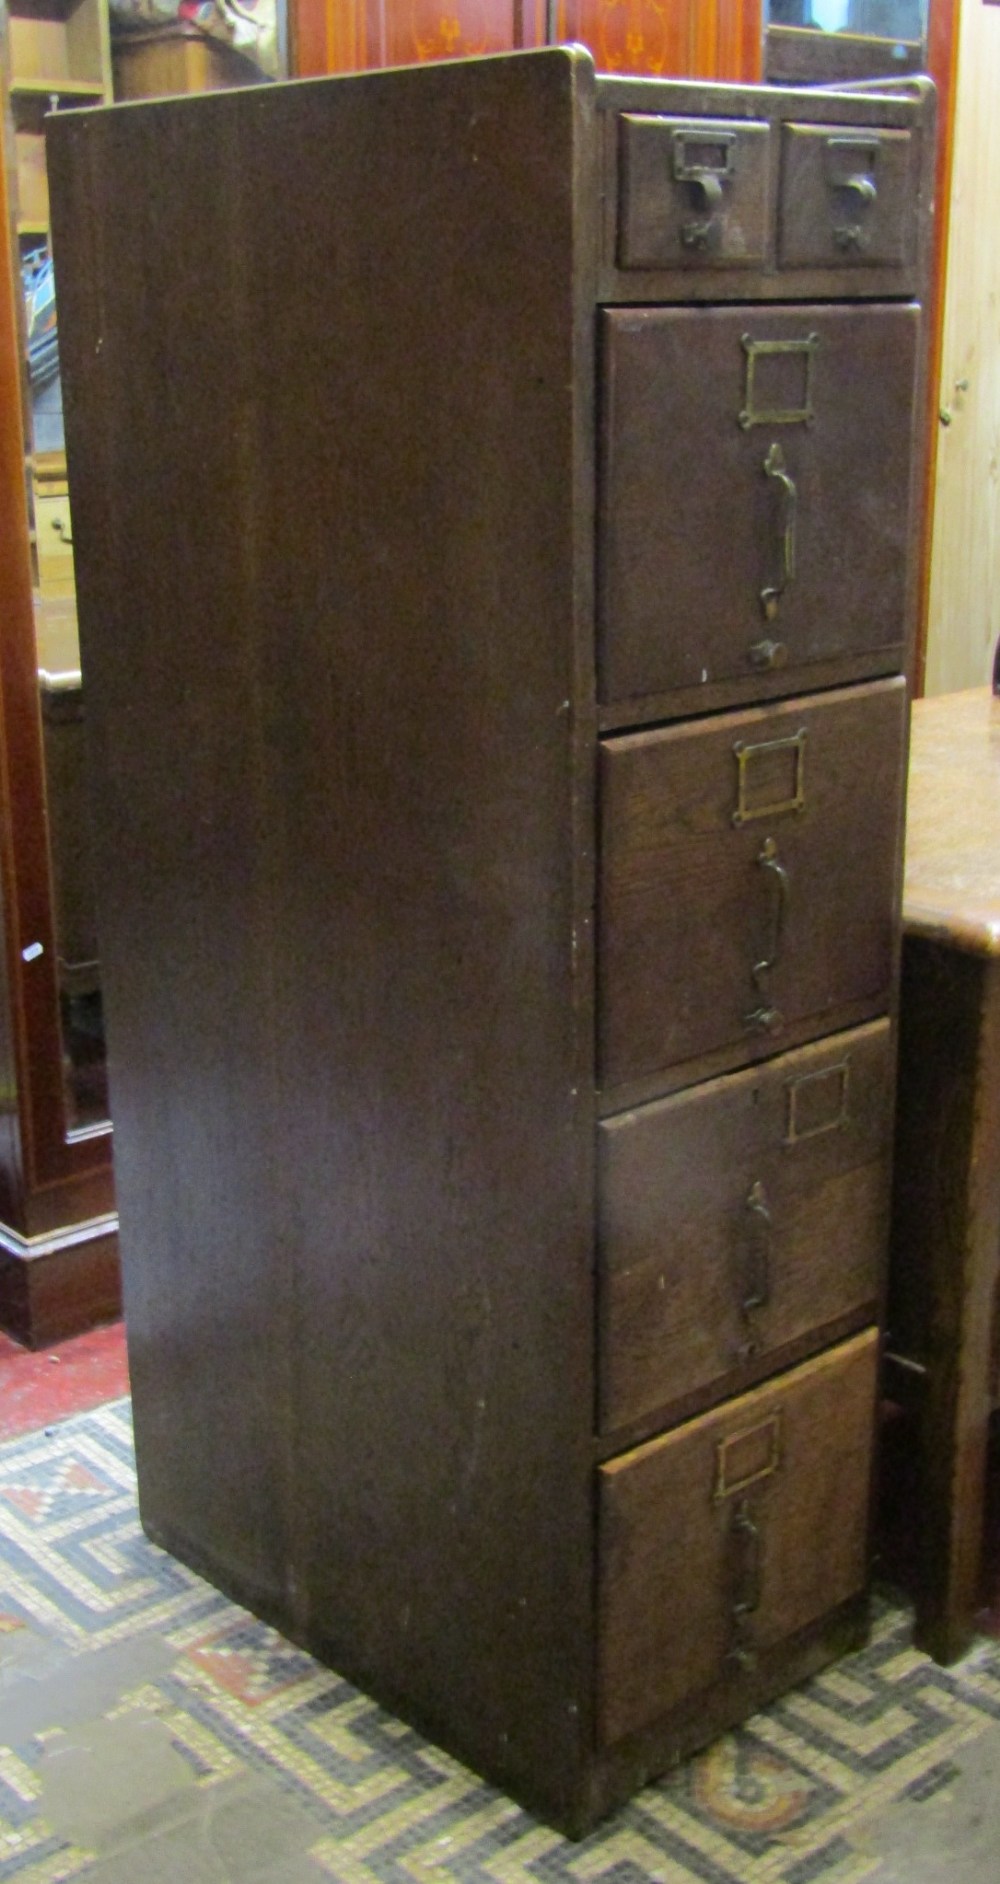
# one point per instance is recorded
(694, 192)
(755, 506)
(848, 196)
(748, 879)
(736, 1217)
(727, 1536)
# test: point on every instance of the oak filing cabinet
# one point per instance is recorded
(500, 936)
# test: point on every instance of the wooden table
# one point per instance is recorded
(946, 1207)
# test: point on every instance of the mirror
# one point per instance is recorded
(878, 19)
(60, 692)
(64, 54)
(820, 41)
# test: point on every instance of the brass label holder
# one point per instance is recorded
(757, 350)
(746, 756)
(747, 1457)
(807, 1087)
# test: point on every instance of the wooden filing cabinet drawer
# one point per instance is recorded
(723, 1538)
(755, 513)
(847, 196)
(693, 192)
(747, 881)
(738, 1216)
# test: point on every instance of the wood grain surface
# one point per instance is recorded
(334, 601)
(951, 884)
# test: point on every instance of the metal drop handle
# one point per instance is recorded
(767, 1017)
(861, 193)
(767, 858)
(746, 1584)
(757, 1275)
(707, 191)
(863, 188)
(774, 467)
(706, 184)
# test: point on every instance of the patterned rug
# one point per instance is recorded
(778, 1802)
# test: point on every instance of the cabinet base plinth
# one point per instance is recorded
(56, 1286)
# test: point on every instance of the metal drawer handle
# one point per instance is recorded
(774, 467)
(706, 184)
(766, 1017)
(767, 858)
(746, 1584)
(860, 192)
(704, 175)
(861, 187)
(757, 1277)
(700, 233)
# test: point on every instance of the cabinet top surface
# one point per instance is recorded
(952, 882)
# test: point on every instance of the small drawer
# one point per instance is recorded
(747, 881)
(848, 197)
(722, 1539)
(737, 1216)
(693, 192)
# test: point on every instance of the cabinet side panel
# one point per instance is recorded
(321, 349)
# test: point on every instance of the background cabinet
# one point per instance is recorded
(58, 1227)
(56, 56)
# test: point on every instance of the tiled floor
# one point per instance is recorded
(153, 1733)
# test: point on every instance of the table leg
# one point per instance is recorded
(944, 1264)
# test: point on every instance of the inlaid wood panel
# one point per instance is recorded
(353, 35)
(656, 38)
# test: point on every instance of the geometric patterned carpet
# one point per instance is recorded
(155, 1649)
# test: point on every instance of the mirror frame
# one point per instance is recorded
(56, 1186)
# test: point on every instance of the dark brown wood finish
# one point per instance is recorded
(353, 991)
(350, 1040)
(774, 1492)
(749, 866)
(944, 1297)
(59, 1286)
(56, 1193)
(705, 475)
(739, 1217)
(944, 1275)
(847, 197)
(901, 107)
